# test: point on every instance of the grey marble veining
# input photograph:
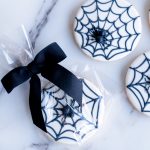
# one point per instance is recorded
(52, 146)
(41, 19)
(38, 147)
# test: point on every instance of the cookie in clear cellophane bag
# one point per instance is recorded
(69, 106)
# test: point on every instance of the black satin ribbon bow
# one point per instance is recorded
(46, 64)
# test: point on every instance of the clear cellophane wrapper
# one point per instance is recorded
(83, 131)
(12, 56)
(15, 56)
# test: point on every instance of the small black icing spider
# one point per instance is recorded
(100, 36)
(67, 111)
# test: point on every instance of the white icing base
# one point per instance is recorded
(118, 33)
(137, 83)
(87, 127)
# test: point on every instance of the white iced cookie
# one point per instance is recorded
(107, 30)
(138, 83)
(65, 121)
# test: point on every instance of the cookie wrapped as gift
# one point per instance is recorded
(68, 122)
(70, 108)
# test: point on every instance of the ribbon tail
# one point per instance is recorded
(35, 102)
(65, 80)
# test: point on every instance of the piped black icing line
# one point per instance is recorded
(75, 113)
(140, 83)
(100, 39)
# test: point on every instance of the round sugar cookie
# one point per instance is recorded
(138, 83)
(107, 30)
(64, 119)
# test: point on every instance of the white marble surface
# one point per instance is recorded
(124, 129)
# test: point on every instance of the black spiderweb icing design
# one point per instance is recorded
(107, 28)
(140, 84)
(75, 126)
